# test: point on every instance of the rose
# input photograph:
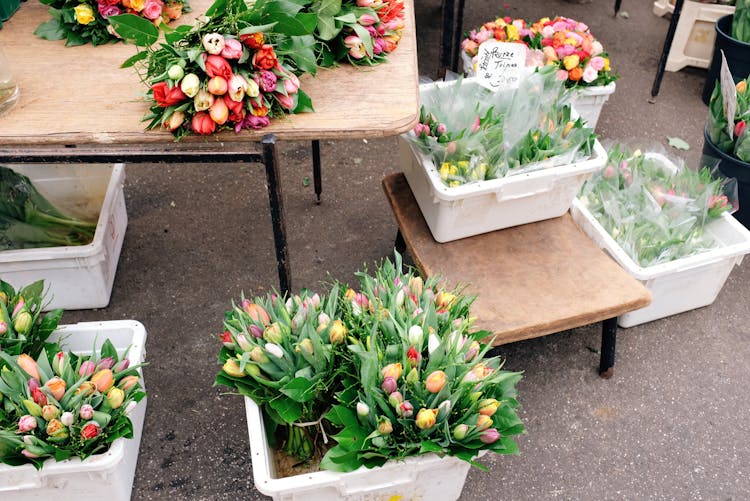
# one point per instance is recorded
(589, 74)
(218, 66)
(252, 40)
(84, 14)
(232, 49)
(173, 10)
(165, 97)
(266, 80)
(575, 74)
(265, 57)
(136, 5)
(202, 123)
(108, 10)
(90, 430)
(152, 9)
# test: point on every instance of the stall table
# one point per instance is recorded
(78, 105)
(531, 280)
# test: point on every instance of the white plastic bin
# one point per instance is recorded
(426, 477)
(589, 101)
(102, 476)
(679, 285)
(77, 277)
(474, 208)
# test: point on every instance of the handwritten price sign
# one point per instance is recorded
(500, 64)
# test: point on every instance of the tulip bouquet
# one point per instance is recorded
(655, 209)
(473, 134)
(65, 404)
(718, 125)
(87, 21)
(286, 356)
(23, 326)
(421, 383)
(741, 21)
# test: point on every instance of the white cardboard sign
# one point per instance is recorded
(728, 94)
(500, 64)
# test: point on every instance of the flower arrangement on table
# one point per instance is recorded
(392, 369)
(718, 125)
(87, 21)
(473, 134)
(23, 326)
(654, 209)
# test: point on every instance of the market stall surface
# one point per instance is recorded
(671, 424)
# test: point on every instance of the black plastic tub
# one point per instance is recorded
(736, 52)
(731, 167)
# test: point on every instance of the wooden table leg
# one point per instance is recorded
(607, 355)
(273, 183)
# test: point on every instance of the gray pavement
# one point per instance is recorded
(671, 424)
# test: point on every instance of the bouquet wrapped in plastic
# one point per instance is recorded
(654, 208)
(473, 134)
(718, 126)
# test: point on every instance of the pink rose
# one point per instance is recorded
(562, 75)
(108, 2)
(589, 74)
(565, 50)
(232, 48)
(152, 9)
(548, 32)
(108, 10)
(597, 63)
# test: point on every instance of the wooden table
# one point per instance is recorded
(531, 280)
(77, 105)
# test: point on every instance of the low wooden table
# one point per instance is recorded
(531, 280)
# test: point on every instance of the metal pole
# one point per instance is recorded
(607, 355)
(273, 183)
(317, 176)
(400, 244)
(446, 36)
(457, 29)
(665, 51)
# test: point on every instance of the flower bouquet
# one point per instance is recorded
(64, 404)
(87, 21)
(655, 210)
(473, 134)
(23, 326)
(741, 21)
(718, 126)
(502, 29)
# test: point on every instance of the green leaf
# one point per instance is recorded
(349, 18)
(328, 7)
(327, 27)
(217, 8)
(289, 410)
(428, 446)
(135, 29)
(342, 417)
(177, 34)
(51, 30)
(301, 24)
(679, 143)
(299, 389)
(304, 103)
(134, 59)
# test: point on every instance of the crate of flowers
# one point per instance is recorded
(65, 224)
(72, 402)
(379, 393)
(562, 43)
(668, 225)
(480, 161)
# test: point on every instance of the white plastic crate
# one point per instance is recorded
(693, 42)
(662, 7)
(589, 101)
(77, 277)
(426, 477)
(102, 476)
(480, 207)
(679, 285)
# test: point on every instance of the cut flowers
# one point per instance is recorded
(719, 127)
(384, 372)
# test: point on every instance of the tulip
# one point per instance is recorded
(488, 406)
(306, 345)
(86, 412)
(323, 319)
(444, 408)
(413, 376)
(444, 299)
(39, 397)
(414, 356)
(236, 88)
(349, 294)
(26, 423)
(59, 362)
(356, 46)
(128, 382)
(252, 89)
(190, 85)
(483, 422)
(218, 111)
(243, 343)
(739, 128)
(426, 418)
(392, 370)
(384, 425)
(433, 342)
(363, 410)
(741, 86)
(175, 72)
(28, 365)
(90, 430)
(103, 380)
(56, 386)
(32, 384)
(86, 369)
(256, 312)
(405, 409)
(473, 351)
(257, 355)
(365, 3)
(3, 297)
(105, 363)
(395, 399)
(3, 327)
(175, 121)
(415, 335)
(275, 350)
(367, 20)
(416, 284)
(129, 408)
(67, 418)
(232, 368)
(489, 436)
(256, 331)
(203, 100)
(213, 43)
(115, 397)
(217, 86)
(273, 333)
(232, 49)
(389, 385)
(54, 426)
(435, 381)
(22, 323)
(252, 370)
(400, 296)
(121, 365)
(459, 432)
(25, 452)
(338, 332)
(86, 388)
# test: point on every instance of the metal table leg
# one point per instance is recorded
(450, 36)
(665, 51)
(400, 244)
(317, 176)
(607, 355)
(273, 183)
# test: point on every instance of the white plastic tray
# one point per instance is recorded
(77, 277)
(102, 476)
(679, 285)
(427, 477)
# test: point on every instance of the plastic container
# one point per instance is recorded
(731, 167)
(475, 208)
(736, 52)
(694, 37)
(589, 101)
(662, 7)
(102, 476)
(77, 277)
(679, 285)
(427, 477)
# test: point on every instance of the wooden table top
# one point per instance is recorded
(530, 280)
(81, 96)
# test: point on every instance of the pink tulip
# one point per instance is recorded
(489, 436)
(26, 423)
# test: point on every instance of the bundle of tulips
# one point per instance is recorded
(23, 326)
